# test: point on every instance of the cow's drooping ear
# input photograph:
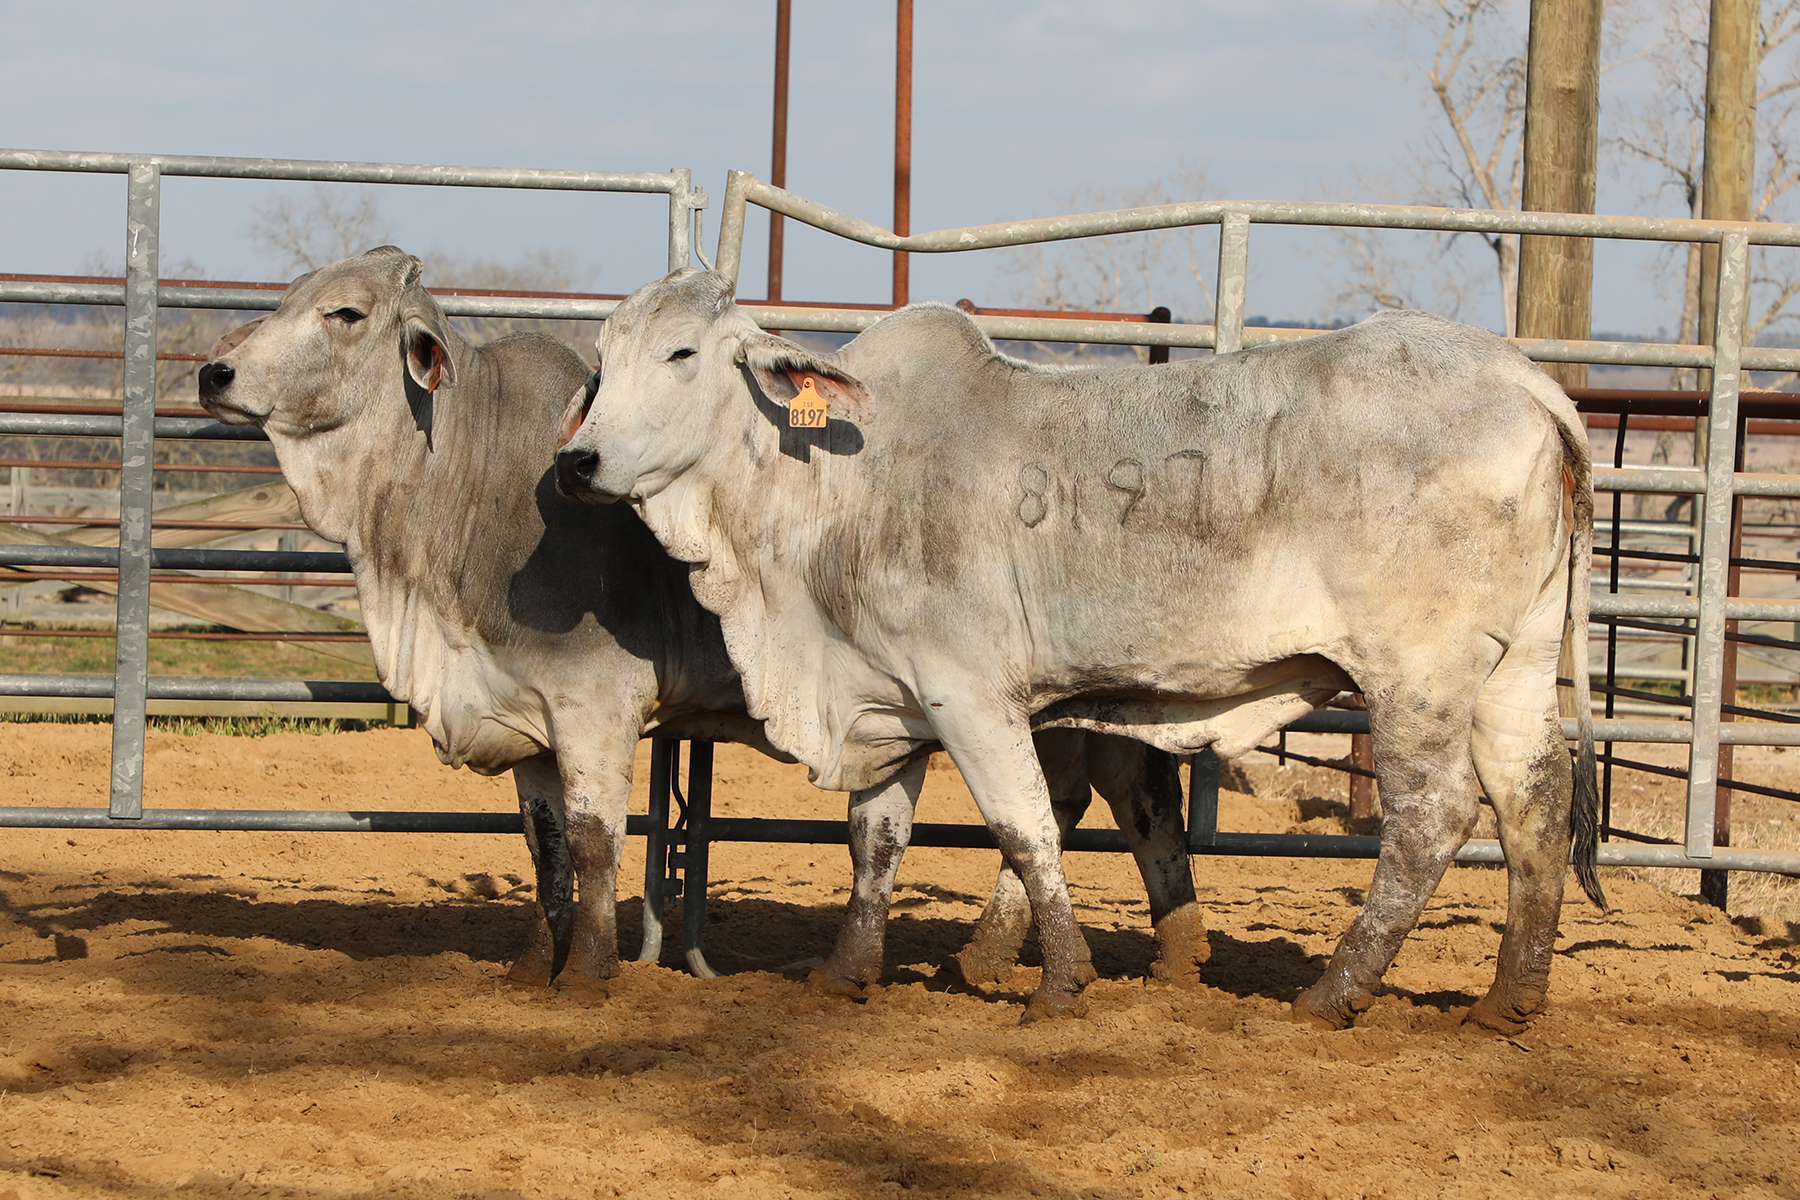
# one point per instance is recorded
(576, 410)
(234, 339)
(426, 343)
(782, 369)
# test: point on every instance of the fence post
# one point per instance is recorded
(1159, 315)
(137, 480)
(1715, 543)
(695, 854)
(1234, 269)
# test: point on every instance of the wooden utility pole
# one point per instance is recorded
(903, 71)
(1729, 168)
(778, 159)
(1562, 139)
(1733, 54)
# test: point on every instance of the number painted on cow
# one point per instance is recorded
(1034, 505)
(1127, 476)
(1162, 485)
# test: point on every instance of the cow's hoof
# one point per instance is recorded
(530, 971)
(829, 982)
(1182, 947)
(970, 971)
(1500, 1018)
(582, 987)
(1313, 1008)
(1047, 1006)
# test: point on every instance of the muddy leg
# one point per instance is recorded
(595, 796)
(540, 803)
(992, 952)
(1000, 765)
(880, 827)
(1428, 802)
(1524, 768)
(1143, 786)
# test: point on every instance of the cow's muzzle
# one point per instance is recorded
(575, 470)
(215, 377)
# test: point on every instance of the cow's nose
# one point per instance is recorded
(215, 377)
(575, 469)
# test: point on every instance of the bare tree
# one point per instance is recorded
(1470, 54)
(303, 229)
(1667, 133)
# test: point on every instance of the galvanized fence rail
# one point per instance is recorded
(1716, 484)
(141, 295)
(678, 856)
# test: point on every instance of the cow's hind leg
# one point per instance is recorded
(1524, 768)
(1428, 805)
(1143, 786)
(880, 827)
(540, 804)
(993, 950)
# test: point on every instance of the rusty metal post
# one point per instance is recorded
(903, 70)
(1562, 139)
(778, 155)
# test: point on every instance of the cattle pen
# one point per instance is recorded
(1703, 612)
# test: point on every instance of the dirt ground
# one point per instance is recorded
(324, 1016)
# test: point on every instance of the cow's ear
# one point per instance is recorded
(234, 339)
(576, 410)
(781, 369)
(426, 344)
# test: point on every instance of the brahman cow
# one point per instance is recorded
(543, 636)
(920, 540)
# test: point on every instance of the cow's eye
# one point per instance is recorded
(681, 354)
(348, 316)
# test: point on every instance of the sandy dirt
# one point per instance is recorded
(324, 1016)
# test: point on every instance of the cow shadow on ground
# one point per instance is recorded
(742, 934)
(359, 928)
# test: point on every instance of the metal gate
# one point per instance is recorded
(678, 854)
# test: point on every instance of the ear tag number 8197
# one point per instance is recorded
(807, 409)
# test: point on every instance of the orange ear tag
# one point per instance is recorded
(807, 410)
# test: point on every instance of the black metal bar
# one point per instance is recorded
(1159, 315)
(1203, 799)
(695, 854)
(1733, 784)
(656, 848)
(179, 559)
(203, 429)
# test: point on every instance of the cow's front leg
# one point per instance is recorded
(1143, 786)
(596, 794)
(880, 827)
(1000, 766)
(993, 950)
(539, 785)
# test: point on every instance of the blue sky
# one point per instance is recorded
(1018, 103)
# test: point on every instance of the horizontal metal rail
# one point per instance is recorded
(100, 687)
(768, 830)
(317, 171)
(194, 559)
(560, 308)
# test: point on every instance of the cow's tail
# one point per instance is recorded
(1584, 800)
